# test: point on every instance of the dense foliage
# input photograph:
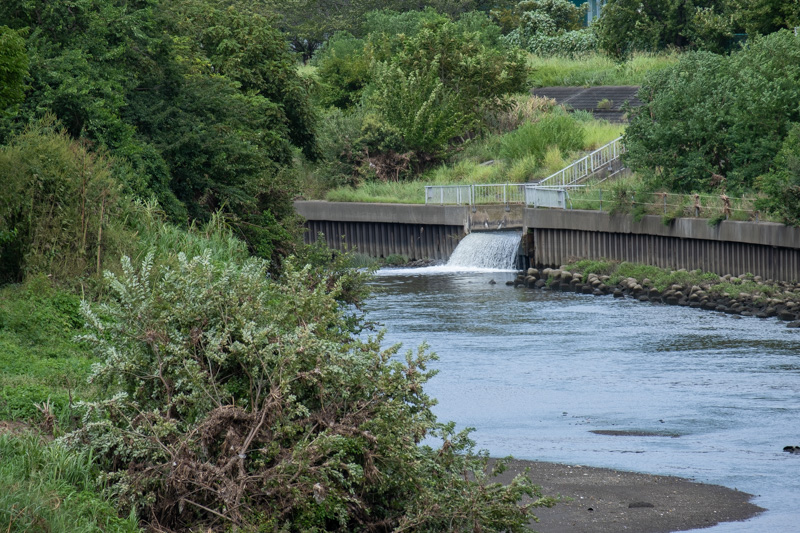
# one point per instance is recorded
(717, 122)
(410, 92)
(712, 25)
(198, 101)
(551, 27)
(60, 211)
(236, 399)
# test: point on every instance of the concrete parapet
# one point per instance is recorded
(762, 233)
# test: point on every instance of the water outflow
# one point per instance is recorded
(495, 250)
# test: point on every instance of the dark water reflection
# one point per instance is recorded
(535, 372)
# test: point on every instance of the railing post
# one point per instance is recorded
(441, 195)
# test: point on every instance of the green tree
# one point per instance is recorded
(650, 25)
(60, 211)
(13, 67)
(781, 184)
(716, 121)
(237, 397)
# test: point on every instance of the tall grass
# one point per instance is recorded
(596, 69)
(48, 487)
(530, 153)
(533, 138)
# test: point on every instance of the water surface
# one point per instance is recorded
(536, 372)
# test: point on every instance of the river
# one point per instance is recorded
(715, 397)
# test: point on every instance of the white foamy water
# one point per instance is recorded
(477, 252)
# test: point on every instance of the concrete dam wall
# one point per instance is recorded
(552, 237)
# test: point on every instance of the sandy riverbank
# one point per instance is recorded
(600, 500)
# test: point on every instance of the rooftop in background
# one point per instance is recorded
(604, 102)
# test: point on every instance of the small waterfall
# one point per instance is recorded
(492, 250)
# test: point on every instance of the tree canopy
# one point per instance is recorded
(198, 100)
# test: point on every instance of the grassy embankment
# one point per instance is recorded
(511, 162)
(43, 375)
(43, 372)
(596, 69)
(522, 155)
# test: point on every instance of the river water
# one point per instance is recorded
(536, 372)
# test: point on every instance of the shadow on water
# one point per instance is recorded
(539, 374)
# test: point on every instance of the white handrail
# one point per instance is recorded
(572, 174)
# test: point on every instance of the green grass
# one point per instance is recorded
(40, 363)
(45, 486)
(596, 69)
(661, 278)
(467, 166)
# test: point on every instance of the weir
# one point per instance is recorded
(552, 237)
(491, 250)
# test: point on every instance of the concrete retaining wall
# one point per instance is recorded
(415, 231)
(553, 237)
(771, 251)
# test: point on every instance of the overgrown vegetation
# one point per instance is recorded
(232, 382)
(54, 489)
(716, 123)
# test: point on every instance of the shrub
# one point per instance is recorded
(235, 397)
(782, 183)
(343, 70)
(60, 208)
(716, 122)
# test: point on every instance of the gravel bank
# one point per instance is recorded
(600, 500)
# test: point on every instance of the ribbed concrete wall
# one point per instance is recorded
(554, 247)
(771, 251)
(382, 239)
(554, 237)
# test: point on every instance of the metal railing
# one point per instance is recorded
(535, 194)
(546, 197)
(497, 193)
(572, 175)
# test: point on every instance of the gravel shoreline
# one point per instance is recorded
(601, 500)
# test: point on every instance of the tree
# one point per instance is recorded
(781, 184)
(551, 27)
(13, 67)
(235, 400)
(60, 211)
(649, 25)
(714, 121)
(199, 101)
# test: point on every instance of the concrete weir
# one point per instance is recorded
(552, 237)
(416, 231)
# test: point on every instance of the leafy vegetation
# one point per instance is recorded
(235, 397)
(711, 25)
(717, 122)
(55, 489)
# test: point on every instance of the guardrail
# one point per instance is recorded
(546, 197)
(572, 175)
(534, 194)
(496, 193)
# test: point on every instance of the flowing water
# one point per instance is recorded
(714, 397)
